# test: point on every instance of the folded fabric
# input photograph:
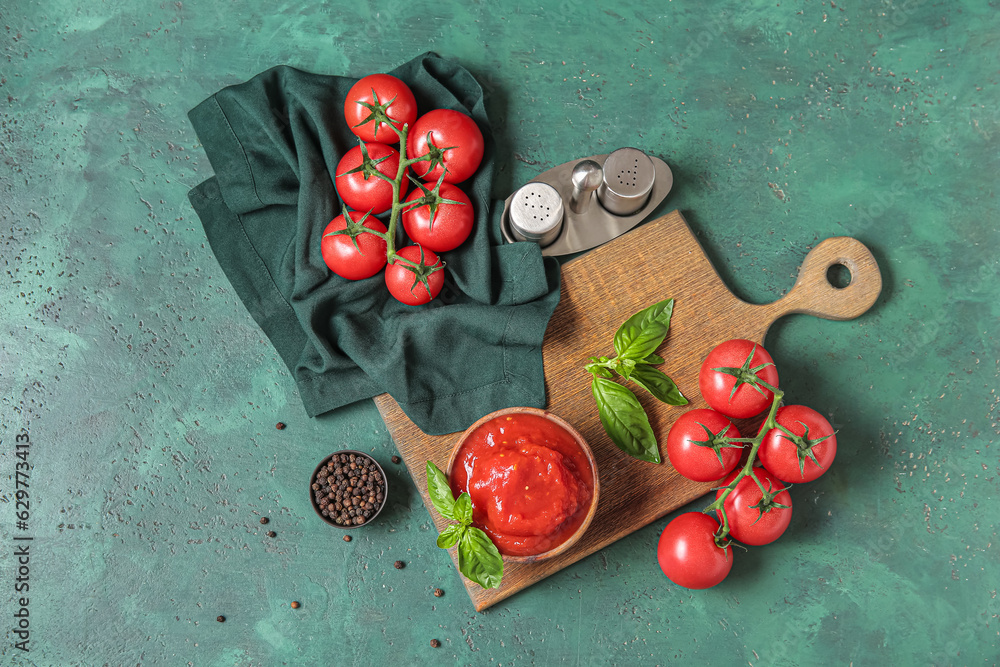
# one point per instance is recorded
(274, 143)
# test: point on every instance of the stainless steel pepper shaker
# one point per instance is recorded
(628, 180)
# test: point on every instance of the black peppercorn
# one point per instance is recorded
(271, 533)
(279, 425)
(347, 538)
(438, 592)
(435, 643)
(264, 519)
(220, 619)
(399, 565)
(396, 459)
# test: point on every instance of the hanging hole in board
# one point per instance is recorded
(839, 276)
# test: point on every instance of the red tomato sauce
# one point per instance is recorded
(529, 481)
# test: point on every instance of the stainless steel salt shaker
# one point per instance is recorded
(536, 213)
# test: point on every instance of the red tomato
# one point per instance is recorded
(700, 454)
(746, 524)
(748, 376)
(357, 183)
(688, 555)
(802, 451)
(436, 225)
(404, 281)
(376, 101)
(346, 259)
(454, 141)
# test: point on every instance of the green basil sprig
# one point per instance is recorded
(478, 558)
(623, 417)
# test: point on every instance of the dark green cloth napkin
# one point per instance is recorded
(274, 143)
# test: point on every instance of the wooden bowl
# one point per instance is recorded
(580, 442)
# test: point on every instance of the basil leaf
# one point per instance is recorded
(440, 492)
(449, 536)
(657, 383)
(478, 558)
(624, 420)
(642, 333)
(463, 509)
(653, 359)
(598, 368)
(626, 367)
(603, 372)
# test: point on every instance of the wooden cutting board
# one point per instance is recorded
(599, 292)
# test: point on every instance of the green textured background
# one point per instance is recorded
(150, 395)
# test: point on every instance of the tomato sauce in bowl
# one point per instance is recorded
(531, 479)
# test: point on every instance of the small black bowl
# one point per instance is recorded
(358, 455)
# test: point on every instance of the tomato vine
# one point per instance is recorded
(374, 177)
(368, 167)
(752, 504)
(722, 539)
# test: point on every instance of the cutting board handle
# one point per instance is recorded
(814, 294)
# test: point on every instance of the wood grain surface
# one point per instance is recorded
(665, 261)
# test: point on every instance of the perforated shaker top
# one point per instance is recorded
(628, 180)
(536, 212)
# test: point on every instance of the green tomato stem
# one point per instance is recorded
(756, 479)
(747, 469)
(390, 253)
(397, 206)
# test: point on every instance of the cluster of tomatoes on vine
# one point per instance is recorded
(738, 380)
(443, 147)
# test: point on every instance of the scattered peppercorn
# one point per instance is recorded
(435, 643)
(347, 538)
(349, 490)
(279, 425)
(438, 592)
(399, 565)
(220, 619)
(295, 604)
(271, 533)
(396, 459)
(264, 519)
